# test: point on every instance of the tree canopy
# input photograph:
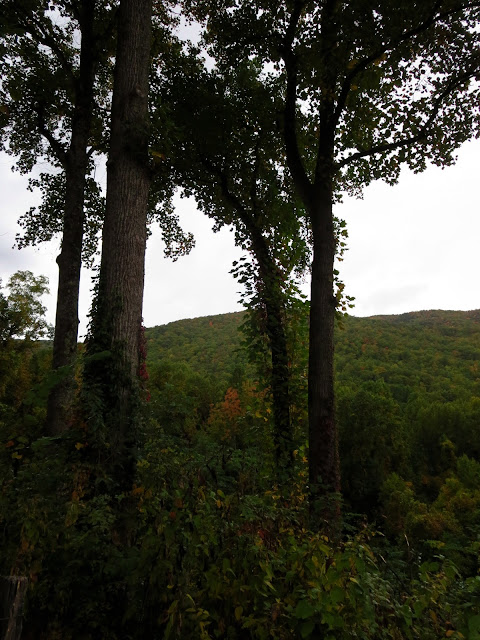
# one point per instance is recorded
(364, 90)
(21, 310)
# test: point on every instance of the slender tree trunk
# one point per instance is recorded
(275, 328)
(118, 315)
(317, 196)
(61, 399)
(273, 299)
(324, 474)
(280, 385)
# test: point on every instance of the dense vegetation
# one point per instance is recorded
(204, 545)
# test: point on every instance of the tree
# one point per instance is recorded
(21, 311)
(50, 113)
(365, 90)
(53, 107)
(215, 116)
(22, 326)
(117, 316)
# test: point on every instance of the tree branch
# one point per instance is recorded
(253, 183)
(424, 131)
(55, 145)
(230, 197)
(294, 159)
(433, 17)
(42, 35)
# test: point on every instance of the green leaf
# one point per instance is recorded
(303, 610)
(307, 628)
(474, 624)
(337, 594)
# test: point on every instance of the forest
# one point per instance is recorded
(287, 472)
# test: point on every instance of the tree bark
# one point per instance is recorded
(12, 597)
(317, 197)
(62, 395)
(272, 297)
(117, 319)
(324, 475)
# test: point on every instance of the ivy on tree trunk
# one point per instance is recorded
(61, 398)
(117, 317)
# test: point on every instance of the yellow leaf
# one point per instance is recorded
(380, 59)
(79, 445)
(238, 613)
(449, 633)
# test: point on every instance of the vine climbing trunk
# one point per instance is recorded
(117, 317)
(62, 395)
(273, 298)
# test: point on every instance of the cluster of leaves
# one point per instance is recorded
(203, 546)
(23, 357)
(21, 310)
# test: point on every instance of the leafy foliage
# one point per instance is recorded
(203, 544)
(21, 311)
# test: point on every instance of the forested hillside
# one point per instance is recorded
(209, 525)
(210, 346)
(405, 386)
(430, 352)
(433, 354)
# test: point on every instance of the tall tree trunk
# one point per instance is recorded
(273, 298)
(61, 398)
(324, 474)
(317, 197)
(117, 317)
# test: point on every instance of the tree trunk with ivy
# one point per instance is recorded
(75, 162)
(117, 318)
(273, 299)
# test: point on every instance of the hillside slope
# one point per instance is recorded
(430, 352)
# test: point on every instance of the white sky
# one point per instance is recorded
(411, 247)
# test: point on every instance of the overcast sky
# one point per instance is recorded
(411, 247)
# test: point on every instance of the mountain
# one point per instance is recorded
(407, 390)
(210, 345)
(435, 353)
